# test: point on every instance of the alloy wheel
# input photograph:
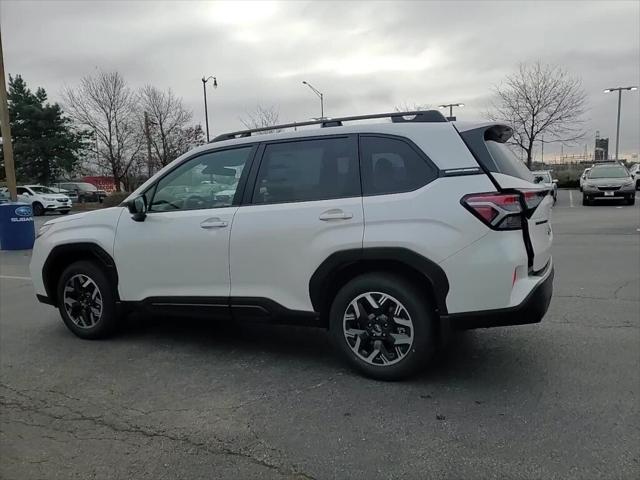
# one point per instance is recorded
(82, 301)
(378, 328)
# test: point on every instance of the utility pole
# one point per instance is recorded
(7, 146)
(148, 135)
(450, 107)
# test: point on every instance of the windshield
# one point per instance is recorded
(42, 190)
(86, 187)
(613, 171)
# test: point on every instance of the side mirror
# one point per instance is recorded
(138, 208)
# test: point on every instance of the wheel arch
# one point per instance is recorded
(64, 255)
(342, 266)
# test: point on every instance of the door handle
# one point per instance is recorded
(335, 214)
(213, 223)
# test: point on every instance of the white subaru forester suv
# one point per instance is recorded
(389, 234)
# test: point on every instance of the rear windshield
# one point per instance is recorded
(493, 155)
(613, 171)
(86, 187)
(506, 162)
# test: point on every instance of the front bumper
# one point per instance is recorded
(54, 207)
(531, 310)
(625, 192)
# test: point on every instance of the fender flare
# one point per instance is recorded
(65, 254)
(328, 273)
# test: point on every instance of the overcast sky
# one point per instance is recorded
(365, 56)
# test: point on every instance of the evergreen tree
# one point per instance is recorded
(45, 144)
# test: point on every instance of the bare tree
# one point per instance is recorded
(540, 101)
(411, 107)
(106, 105)
(168, 119)
(262, 117)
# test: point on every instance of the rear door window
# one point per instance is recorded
(391, 165)
(308, 170)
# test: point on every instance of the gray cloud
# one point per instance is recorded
(365, 56)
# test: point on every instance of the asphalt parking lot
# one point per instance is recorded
(191, 399)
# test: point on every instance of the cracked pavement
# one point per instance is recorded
(185, 399)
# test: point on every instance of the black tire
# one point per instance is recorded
(631, 201)
(421, 315)
(585, 200)
(637, 184)
(38, 209)
(107, 322)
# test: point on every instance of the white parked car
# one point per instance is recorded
(387, 234)
(544, 178)
(635, 172)
(583, 177)
(44, 199)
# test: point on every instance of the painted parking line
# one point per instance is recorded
(570, 199)
(12, 277)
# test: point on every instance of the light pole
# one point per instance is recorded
(204, 91)
(450, 107)
(319, 94)
(619, 90)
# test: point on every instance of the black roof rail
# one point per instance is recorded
(396, 117)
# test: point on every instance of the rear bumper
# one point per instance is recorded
(531, 310)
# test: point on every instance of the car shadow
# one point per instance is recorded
(476, 357)
(302, 344)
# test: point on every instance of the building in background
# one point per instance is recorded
(601, 152)
(107, 184)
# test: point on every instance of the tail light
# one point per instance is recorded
(499, 211)
(532, 199)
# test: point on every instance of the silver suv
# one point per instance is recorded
(609, 182)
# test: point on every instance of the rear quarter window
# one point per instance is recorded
(391, 165)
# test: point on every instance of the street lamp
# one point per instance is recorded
(450, 107)
(619, 90)
(204, 90)
(319, 94)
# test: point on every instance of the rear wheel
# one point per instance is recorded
(383, 326)
(38, 209)
(86, 300)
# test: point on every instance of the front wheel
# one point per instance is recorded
(38, 209)
(631, 201)
(86, 300)
(383, 326)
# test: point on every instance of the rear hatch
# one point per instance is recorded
(509, 174)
